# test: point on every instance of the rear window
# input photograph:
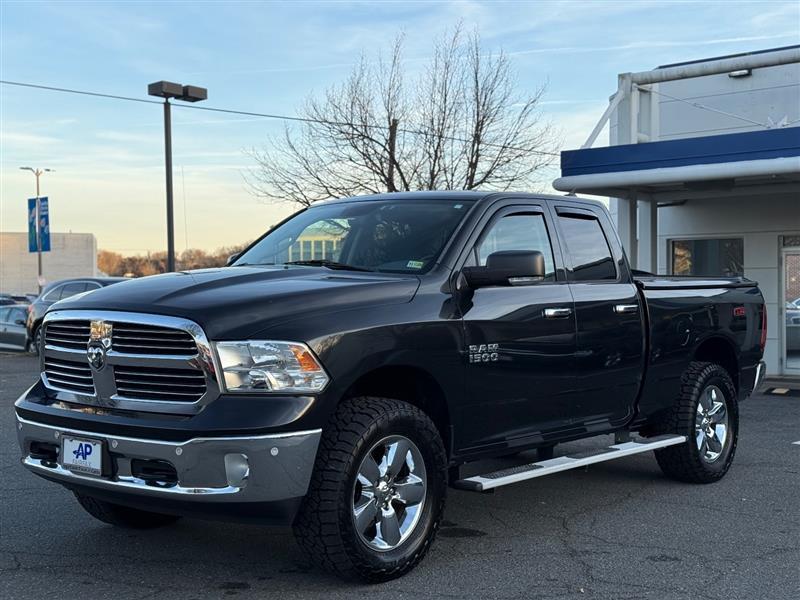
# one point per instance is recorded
(588, 249)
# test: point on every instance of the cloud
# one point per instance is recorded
(651, 44)
(26, 139)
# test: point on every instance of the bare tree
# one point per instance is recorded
(460, 125)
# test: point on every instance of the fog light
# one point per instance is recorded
(237, 470)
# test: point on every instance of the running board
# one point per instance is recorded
(488, 481)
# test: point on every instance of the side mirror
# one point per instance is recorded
(19, 322)
(232, 259)
(508, 267)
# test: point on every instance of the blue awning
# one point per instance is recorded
(751, 145)
(669, 164)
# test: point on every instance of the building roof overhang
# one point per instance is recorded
(692, 165)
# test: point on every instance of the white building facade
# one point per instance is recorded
(70, 255)
(704, 175)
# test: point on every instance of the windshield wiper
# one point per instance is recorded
(331, 264)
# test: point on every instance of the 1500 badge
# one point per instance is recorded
(483, 353)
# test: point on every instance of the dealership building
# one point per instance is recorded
(70, 255)
(703, 173)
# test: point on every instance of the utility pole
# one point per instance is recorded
(168, 161)
(187, 93)
(38, 173)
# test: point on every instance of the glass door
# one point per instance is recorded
(791, 310)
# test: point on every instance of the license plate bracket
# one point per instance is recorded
(84, 456)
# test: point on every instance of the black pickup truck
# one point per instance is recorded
(366, 353)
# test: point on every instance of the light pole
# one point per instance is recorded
(187, 93)
(38, 173)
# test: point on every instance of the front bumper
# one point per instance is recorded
(248, 469)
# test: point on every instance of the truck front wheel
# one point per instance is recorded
(706, 413)
(377, 492)
(123, 516)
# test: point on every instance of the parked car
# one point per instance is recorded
(52, 293)
(793, 312)
(355, 359)
(12, 327)
(7, 300)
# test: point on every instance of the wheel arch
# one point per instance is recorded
(411, 384)
(719, 350)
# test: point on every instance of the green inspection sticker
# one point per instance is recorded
(415, 264)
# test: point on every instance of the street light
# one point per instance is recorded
(38, 173)
(187, 93)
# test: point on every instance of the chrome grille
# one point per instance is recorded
(142, 362)
(134, 338)
(67, 334)
(149, 383)
(70, 375)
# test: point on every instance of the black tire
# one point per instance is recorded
(685, 462)
(325, 527)
(123, 516)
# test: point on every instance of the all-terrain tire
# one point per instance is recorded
(685, 462)
(123, 516)
(325, 528)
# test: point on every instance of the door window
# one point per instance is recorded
(4, 312)
(588, 249)
(518, 232)
(17, 314)
(71, 289)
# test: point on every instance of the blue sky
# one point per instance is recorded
(269, 56)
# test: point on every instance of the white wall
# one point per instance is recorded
(71, 255)
(760, 219)
(770, 93)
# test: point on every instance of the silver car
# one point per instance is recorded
(13, 334)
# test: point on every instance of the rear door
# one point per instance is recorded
(16, 333)
(5, 312)
(609, 318)
(520, 340)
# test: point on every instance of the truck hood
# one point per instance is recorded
(238, 302)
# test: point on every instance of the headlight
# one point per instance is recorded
(267, 366)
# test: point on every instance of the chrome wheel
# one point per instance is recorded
(389, 493)
(711, 424)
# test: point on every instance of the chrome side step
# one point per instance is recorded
(488, 481)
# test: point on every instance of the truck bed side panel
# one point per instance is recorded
(683, 321)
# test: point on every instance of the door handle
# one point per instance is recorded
(557, 313)
(626, 309)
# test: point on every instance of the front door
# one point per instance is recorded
(520, 341)
(791, 311)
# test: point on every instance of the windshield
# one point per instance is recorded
(396, 236)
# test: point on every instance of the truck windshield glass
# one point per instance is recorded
(393, 236)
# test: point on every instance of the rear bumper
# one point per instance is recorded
(231, 470)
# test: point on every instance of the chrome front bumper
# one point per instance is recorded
(263, 468)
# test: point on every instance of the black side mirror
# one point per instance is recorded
(508, 267)
(19, 322)
(232, 259)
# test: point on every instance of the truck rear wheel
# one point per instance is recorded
(377, 492)
(123, 516)
(707, 414)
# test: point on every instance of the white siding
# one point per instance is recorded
(771, 93)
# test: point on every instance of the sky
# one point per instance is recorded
(107, 155)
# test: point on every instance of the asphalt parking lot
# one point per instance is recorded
(616, 530)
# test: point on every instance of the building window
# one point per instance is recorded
(708, 258)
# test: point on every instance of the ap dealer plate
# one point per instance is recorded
(82, 455)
